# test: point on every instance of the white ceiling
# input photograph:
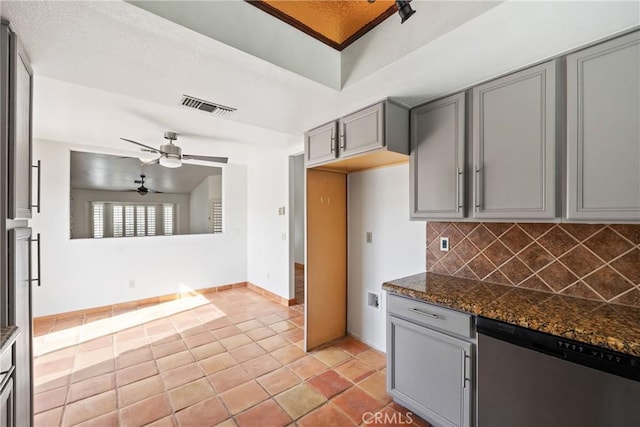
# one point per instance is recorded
(106, 70)
(92, 171)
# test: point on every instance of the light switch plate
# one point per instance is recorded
(369, 237)
(444, 244)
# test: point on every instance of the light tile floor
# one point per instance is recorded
(227, 358)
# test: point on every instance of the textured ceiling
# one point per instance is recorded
(105, 70)
(337, 23)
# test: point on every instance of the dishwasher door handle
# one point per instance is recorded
(424, 313)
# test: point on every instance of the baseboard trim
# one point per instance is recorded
(128, 305)
(367, 342)
(274, 297)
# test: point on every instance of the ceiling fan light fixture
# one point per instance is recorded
(170, 162)
(148, 156)
(404, 10)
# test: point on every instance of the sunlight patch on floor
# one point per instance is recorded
(91, 330)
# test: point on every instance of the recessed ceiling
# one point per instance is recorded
(105, 70)
(336, 23)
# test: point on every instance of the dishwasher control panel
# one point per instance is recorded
(597, 353)
(595, 357)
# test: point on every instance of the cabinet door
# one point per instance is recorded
(362, 131)
(603, 134)
(429, 372)
(437, 159)
(514, 137)
(6, 405)
(320, 144)
(20, 287)
(20, 131)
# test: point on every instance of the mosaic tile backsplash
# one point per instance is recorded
(594, 261)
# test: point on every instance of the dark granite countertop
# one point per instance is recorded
(8, 335)
(615, 327)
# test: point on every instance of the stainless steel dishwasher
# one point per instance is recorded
(528, 378)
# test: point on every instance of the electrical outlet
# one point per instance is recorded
(281, 210)
(369, 237)
(283, 236)
(444, 244)
(132, 284)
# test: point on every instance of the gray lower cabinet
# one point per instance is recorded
(21, 316)
(603, 131)
(514, 145)
(429, 371)
(6, 388)
(437, 161)
(6, 404)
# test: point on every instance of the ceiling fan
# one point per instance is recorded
(142, 190)
(171, 155)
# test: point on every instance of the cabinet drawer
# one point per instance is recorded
(430, 315)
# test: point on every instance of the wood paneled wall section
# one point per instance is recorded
(326, 266)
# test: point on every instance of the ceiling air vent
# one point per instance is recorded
(209, 107)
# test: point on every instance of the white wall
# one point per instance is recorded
(268, 252)
(378, 201)
(297, 209)
(78, 274)
(215, 187)
(200, 203)
(199, 208)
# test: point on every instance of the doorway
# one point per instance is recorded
(296, 227)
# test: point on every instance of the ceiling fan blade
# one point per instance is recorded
(205, 158)
(150, 162)
(145, 146)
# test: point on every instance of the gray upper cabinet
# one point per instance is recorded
(362, 131)
(320, 144)
(438, 158)
(603, 131)
(514, 137)
(17, 81)
(381, 129)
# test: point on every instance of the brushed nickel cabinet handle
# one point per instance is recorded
(459, 175)
(423, 313)
(37, 240)
(37, 205)
(464, 370)
(477, 192)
